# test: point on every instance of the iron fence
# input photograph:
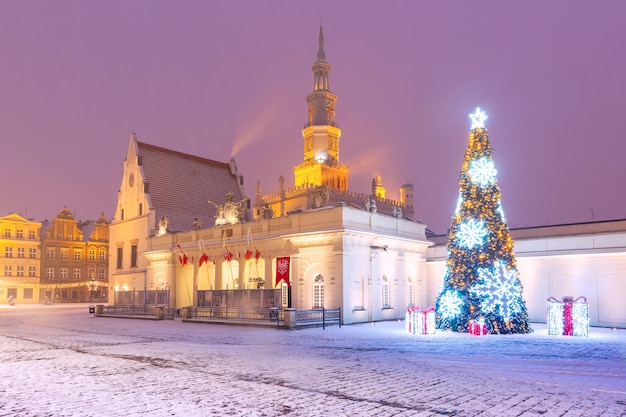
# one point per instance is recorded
(323, 316)
(271, 316)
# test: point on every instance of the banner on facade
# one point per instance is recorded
(282, 269)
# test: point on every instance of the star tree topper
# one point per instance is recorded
(478, 118)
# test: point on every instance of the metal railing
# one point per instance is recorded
(272, 316)
(129, 311)
(323, 316)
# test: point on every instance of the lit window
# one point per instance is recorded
(50, 273)
(63, 273)
(65, 253)
(318, 291)
(101, 255)
(92, 254)
(101, 273)
(50, 253)
(77, 254)
(76, 273)
(385, 292)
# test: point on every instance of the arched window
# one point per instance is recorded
(318, 291)
(409, 292)
(385, 292)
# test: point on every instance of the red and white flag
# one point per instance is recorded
(282, 269)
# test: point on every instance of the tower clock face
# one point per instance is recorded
(131, 180)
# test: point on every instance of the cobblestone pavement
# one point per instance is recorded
(61, 361)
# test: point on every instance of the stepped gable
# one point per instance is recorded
(180, 185)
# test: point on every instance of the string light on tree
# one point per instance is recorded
(450, 303)
(498, 290)
(472, 233)
(483, 172)
(481, 280)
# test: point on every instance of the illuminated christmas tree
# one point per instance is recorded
(481, 281)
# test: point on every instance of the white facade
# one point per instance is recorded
(368, 264)
(569, 260)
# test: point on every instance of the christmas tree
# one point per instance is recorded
(481, 281)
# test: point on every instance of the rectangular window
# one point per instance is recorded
(77, 254)
(31, 234)
(65, 253)
(92, 254)
(50, 253)
(63, 273)
(133, 256)
(140, 209)
(120, 252)
(19, 234)
(32, 271)
(385, 293)
(50, 273)
(92, 273)
(20, 270)
(28, 293)
(76, 273)
(60, 237)
(8, 270)
(7, 232)
(101, 273)
(32, 253)
(20, 252)
(101, 255)
(8, 252)
(70, 237)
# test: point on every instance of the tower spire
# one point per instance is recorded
(321, 134)
(321, 55)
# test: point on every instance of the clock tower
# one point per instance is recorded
(321, 134)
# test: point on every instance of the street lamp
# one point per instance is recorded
(93, 286)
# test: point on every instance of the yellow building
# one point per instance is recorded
(21, 259)
(75, 260)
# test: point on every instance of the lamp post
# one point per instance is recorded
(93, 286)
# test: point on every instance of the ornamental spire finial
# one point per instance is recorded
(478, 119)
(321, 56)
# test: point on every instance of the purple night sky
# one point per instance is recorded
(229, 78)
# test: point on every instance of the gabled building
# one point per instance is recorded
(75, 257)
(20, 259)
(163, 192)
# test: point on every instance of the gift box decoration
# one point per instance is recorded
(409, 319)
(568, 317)
(420, 321)
(477, 327)
(425, 321)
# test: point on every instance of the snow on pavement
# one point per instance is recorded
(61, 361)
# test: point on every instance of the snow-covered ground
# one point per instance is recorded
(61, 361)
